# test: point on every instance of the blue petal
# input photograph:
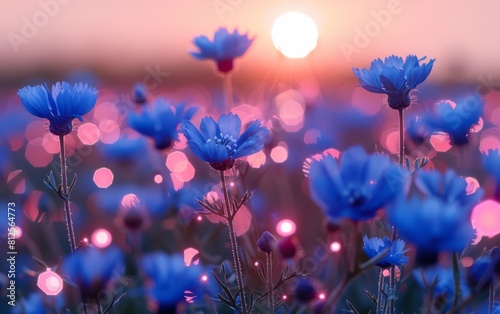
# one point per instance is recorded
(34, 100)
(206, 48)
(394, 61)
(393, 80)
(325, 185)
(377, 66)
(417, 75)
(209, 128)
(215, 153)
(369, 80)
(429, 182)
(230, 124)
(410, 63)
(351, 165)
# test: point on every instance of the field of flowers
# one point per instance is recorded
(130, 199)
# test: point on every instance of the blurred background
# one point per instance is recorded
(117, 40)
(311, 104)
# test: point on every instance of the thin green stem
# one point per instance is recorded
(353, 248)
(394, 232)
(234, 244)
(456, 277)
(379, 293)
(67, 208)
(401, 137)
(270, 296)
(228, 90)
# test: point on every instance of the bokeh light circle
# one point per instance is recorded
(286, 227)
(101, 238)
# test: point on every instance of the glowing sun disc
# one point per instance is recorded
(295, 35)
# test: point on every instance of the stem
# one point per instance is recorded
(379, 293)
(394, 233)
(456, 277)
(228, 91)
(401, 137)
(353, 248)
(67, 209)
(270, 297)
(85, 309)
(491, 296)
(234, 244)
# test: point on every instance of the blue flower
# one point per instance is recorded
(91, 269)
(304, 290)
(394, 78)
(356, 187)
(395, 256)
(444, 285)
(457, 120)
(443, 208)
(481, 274)
(38, 303)
(60, 106)
(496, 308)
(417, 129)
(220, 143)
(224, 48)
(171, 278)
(160, 122)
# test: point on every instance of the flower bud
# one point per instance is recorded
(266, 242)
(287, 247)
(139, 93)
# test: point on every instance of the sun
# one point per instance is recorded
(295, 35)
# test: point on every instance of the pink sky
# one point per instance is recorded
(120, 38)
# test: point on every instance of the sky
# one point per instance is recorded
(122, 39)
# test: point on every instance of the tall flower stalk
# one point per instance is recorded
(60, 106)
(223, 49)
(228, 90)
(231, 212)
(65, 195)
(220, 144)
(396, 79)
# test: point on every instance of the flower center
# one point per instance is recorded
(226, 140)
(355, 195)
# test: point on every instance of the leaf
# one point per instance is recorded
(251, 300)
(224, 287)
(375, 259)
(72, 185)
(113, 303)
(280, 302)
(225, 301)
(408, 167)
(353, 309)
(40, 262)
(371, 296)
(260, 271)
